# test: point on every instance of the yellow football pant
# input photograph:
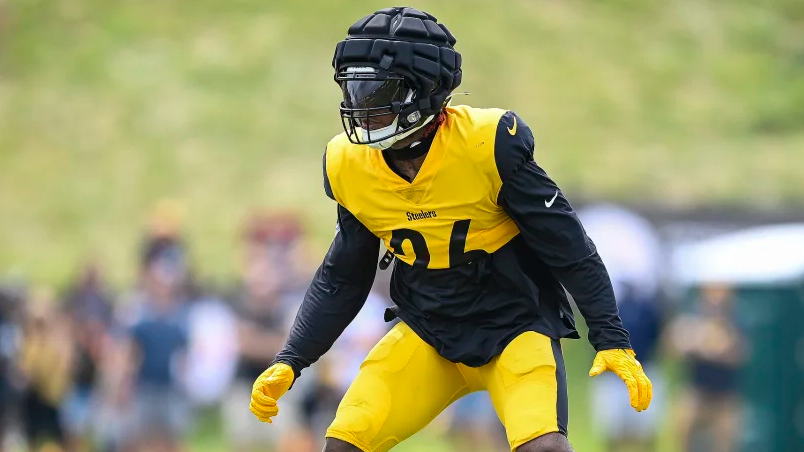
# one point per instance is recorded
(404, 384)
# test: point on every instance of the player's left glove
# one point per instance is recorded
(623, 363)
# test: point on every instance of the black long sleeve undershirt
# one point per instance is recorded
(551, 228)
(335, 296)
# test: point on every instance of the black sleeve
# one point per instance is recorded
(551, 229)
(335, 296)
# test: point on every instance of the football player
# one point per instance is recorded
(482, 241)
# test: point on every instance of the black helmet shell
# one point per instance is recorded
(409, 43)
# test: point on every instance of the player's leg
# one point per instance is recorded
(549, 442)
(528, 386)
(336, 445)
(403, 385)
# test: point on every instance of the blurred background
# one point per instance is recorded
(161, 213)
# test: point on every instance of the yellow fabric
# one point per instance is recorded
(268, 388)
(45, 361)
(624, 363)
(458, 181)
(404, 384)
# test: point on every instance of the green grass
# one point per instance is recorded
(106, 107)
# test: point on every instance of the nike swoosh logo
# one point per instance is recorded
(550, 203)
(512, 130)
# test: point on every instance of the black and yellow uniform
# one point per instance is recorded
(484, 241)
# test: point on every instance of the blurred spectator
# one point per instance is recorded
(11, 334)
(166, 222)
(283, 236)
(623, 428)
(630, 247)
(45, 360)
(156, 346)
(265, 303)
(88, 297)
(474, 424)
(212, 352)
(713, 349)
(88, 304)
(339, 367)
(357, 340)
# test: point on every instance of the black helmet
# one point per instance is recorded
(396, 68)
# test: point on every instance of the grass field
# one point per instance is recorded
(106, 107)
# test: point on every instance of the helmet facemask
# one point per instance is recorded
(378, 108)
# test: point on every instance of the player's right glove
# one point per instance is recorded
(268, 388)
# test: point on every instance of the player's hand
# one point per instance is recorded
(623, 363)
(268, 388)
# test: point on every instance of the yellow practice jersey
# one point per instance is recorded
(449, 210)
(485, 243)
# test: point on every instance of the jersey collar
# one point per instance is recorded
(430, 166)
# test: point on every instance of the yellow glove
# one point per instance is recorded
(623, 363)
(268, 388)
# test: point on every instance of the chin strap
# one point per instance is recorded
(410, 152)
(419, 148)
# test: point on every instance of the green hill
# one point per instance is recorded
(107, 106)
